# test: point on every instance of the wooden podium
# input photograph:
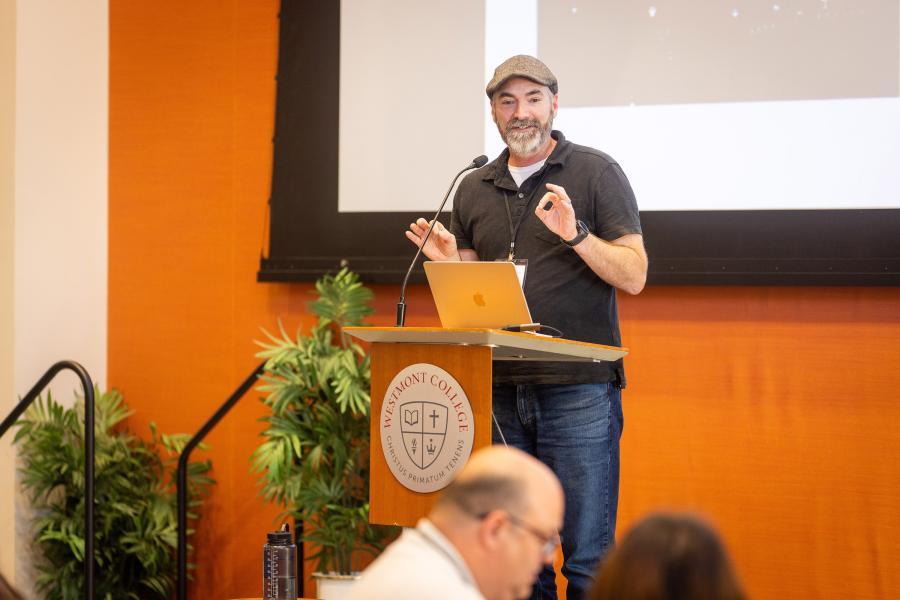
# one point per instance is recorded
(467, 355)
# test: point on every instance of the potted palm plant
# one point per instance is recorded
(135, 512)
(314, 460)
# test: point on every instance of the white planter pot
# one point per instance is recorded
(331, 586)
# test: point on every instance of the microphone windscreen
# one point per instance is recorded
(480, 161)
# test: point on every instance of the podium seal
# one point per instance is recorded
(427, 427)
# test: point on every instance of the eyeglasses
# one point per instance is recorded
(549, 543)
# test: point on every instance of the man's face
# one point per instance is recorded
(523, 111)
(526, 549)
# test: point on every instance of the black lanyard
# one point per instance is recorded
(514, 231)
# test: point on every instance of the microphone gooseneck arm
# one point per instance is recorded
(401, 304)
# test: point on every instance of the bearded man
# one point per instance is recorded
(570, 212)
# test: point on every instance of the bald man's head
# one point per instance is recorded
(498, 477)
(503, 513)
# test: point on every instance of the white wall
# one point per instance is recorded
(62, 99)
(7, 205)
(60, 202)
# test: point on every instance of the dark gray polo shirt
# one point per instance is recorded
(561, 289)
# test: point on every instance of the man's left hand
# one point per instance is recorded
(560, 216)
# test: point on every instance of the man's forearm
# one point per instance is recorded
(622, 263)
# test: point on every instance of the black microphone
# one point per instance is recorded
(476, 163)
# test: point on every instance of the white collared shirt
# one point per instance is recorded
(422, 563)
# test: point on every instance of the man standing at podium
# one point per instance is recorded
(569, 211)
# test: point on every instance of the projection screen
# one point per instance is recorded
(785, 114)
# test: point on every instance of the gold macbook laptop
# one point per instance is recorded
(477, 294)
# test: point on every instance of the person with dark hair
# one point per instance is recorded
(668, 557)
(488, 536)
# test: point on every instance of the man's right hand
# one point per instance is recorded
(441, 243)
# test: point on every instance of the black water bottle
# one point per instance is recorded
(280, 565)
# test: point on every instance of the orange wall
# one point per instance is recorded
(773, 410)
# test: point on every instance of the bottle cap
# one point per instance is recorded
(281, 538)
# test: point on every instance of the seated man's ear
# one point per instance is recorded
(492, 529)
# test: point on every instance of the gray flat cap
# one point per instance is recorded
(525, 66)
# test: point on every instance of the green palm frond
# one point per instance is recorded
(135, 520)
(314, 459)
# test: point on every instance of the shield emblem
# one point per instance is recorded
(424, 428)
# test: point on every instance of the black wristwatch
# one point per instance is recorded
(583, 232)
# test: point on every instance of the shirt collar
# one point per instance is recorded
(433, 536)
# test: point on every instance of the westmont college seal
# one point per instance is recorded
(427, 427)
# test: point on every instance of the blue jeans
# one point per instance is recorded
(574, 430)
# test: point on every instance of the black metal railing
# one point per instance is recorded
(23, 404)
(183, 473)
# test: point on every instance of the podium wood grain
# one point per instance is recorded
(390, 502)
